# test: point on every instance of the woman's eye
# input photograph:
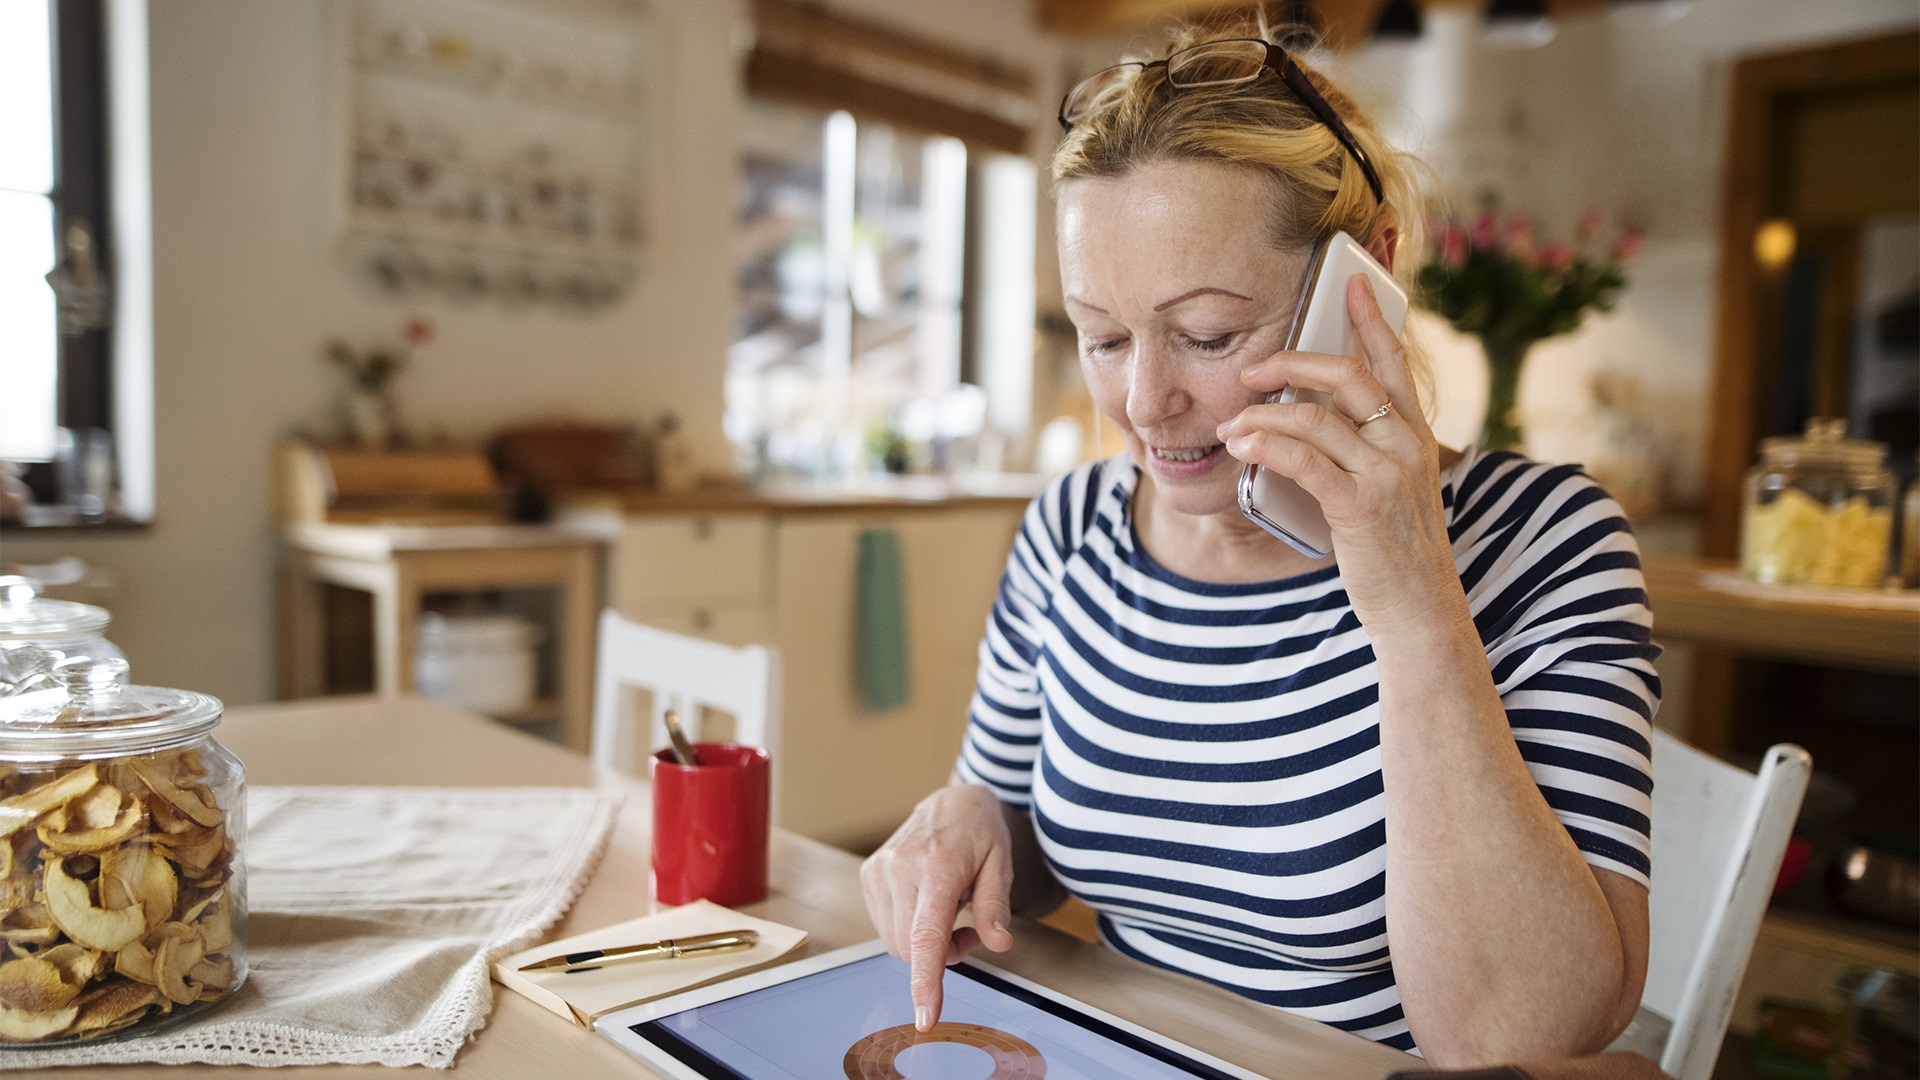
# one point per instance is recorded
(1212, 344)
(1101, 346)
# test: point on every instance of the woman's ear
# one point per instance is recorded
(1383, 239)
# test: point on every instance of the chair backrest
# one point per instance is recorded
(1719, 833)
(686, 674)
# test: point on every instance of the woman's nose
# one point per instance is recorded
(1154, 392)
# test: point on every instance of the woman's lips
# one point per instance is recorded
(1180, 462)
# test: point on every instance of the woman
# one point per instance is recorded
(1403, 791)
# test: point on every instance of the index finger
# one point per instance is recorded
(927, 945)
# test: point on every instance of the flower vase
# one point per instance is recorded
(1506, 357)
(370, 419)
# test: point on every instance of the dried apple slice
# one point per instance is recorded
(20, 1026)
(217, 927)
(19, 811)
(213, 973)
(110, 1008)
(173, 959)
(29, 924)
(135, 962)
(188, 801)
(62, 837)
(97, 809)
(195, 849)
(136, 875)
(74, 912)
(78, 964)
(34, 986)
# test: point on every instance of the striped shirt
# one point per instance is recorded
(1203, 760)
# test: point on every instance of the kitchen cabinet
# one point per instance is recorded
(786, 575)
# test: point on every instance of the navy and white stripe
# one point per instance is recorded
(1203, 760)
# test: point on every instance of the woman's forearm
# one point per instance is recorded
(1505, 947)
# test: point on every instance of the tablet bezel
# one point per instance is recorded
(618, 1026)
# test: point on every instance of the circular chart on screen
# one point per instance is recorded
(873, 1057)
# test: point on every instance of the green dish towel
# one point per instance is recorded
(880, 621)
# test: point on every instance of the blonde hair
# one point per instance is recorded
(1319, 188)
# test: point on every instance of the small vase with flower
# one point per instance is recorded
(370, 413)
(1493, 280)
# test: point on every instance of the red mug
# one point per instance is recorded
(710, 824)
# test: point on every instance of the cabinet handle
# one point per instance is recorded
(702, 528)
(702, 619)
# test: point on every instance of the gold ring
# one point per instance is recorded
(1383, 410)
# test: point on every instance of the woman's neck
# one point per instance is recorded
(1223, 549)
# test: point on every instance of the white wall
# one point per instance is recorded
(1623, 111)
(248, 286)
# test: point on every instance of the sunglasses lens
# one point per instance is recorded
(1217, 63)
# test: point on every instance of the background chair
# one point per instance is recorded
(1719, 832)
(686, 674)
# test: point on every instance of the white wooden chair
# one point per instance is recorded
(685, 674)
(1719, 832)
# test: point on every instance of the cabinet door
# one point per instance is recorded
(707, 558)
(726, 623)
(850, 774)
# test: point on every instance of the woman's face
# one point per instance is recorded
(1175, 289)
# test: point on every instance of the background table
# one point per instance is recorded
(400, 566)
(410, 741)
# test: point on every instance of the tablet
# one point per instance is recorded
(847, 1015)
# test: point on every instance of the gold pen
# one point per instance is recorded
(665, 949)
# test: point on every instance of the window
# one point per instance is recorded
(54, 265)
(848, 336)
(885, 268)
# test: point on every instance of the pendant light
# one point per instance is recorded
(1399, 20)
(1519, 24)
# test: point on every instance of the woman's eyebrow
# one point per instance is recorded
(1202, 291)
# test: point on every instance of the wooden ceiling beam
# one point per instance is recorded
(1348, 22)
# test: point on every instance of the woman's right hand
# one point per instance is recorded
(953, 851)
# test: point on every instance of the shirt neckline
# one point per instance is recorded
(1127, 483)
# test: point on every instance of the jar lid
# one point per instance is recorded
(25, 616)
(90, 713)
(1825, 443)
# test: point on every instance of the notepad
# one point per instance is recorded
(584, 996)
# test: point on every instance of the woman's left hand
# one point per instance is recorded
(1377, 482)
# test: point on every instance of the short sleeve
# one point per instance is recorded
(1553, 575)
(1004, 716)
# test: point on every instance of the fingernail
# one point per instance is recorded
(1368, 282)
(920, 1019)
(1250, 371)
(1000, 925)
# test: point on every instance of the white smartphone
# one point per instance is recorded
(1320, 324)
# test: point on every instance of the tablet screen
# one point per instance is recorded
(856, 1021)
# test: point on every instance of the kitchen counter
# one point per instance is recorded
(794, 496)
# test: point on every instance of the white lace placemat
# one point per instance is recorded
(374, 913)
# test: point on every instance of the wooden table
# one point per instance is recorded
(401, 565)
(410, 741)
(1875, 639)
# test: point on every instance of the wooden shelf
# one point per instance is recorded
(1686, 610)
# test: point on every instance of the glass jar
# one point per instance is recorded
(1910, 535)
(37, 633)
(122, 889)
(1819, 510)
